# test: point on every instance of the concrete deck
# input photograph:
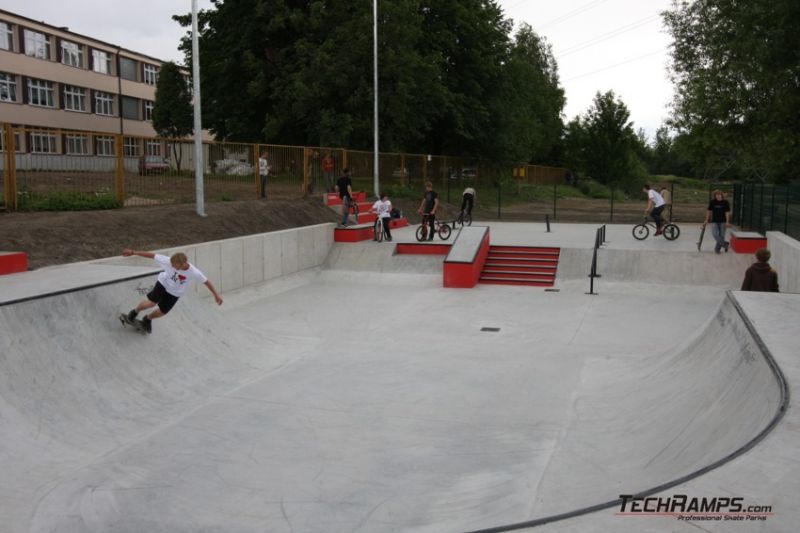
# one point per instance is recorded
(359, 395)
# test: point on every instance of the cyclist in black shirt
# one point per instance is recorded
(429, 205)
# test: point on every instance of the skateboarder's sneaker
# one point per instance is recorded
(727, 245)
(132, 316)
(147, 325)
(658, 232)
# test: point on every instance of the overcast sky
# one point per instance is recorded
(600, 45)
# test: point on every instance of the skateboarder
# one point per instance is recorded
(171, 285)
(719, 214)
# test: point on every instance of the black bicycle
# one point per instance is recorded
(464, 219)
(442, 228)
(642, 231)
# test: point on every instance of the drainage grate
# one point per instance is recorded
(490, 329)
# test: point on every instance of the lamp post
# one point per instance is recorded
(198, 128)
(376, 179)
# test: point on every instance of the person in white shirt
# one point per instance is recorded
(655, 205)
(383, 207)
(468, 199)
(171, 285)
(263, 172)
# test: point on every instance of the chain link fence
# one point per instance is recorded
(764, 207)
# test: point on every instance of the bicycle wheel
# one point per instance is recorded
(378, 229)
(444, 231)
(422, 232)
(467, 220)
(671, 232)
(640, 232)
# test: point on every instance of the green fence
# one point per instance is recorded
(762, 207)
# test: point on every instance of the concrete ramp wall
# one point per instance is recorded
(652, 266)
(643, 421)
(785, 259)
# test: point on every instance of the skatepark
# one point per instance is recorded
(342, 387)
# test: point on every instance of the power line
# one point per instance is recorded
(610, 35)
(575, 12)
(616, 65)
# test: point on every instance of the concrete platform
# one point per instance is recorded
(357, 394)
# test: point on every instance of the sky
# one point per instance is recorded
(600, 45)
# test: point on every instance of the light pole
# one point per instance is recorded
(198, 128)
(376, 179)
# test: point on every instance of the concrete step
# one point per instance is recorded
(515, 281)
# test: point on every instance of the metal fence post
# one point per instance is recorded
(499, 190)
(10, 169)
(257, 168)
(555, 196)
(772, 209)
(786, 212)
(119, 174)
(613, 191)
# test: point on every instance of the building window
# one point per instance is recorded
(74, 98)
(43, 143)
(101, 62)
(130, 108)
(40, 93)
(77, 144)
(37, 44)
(6, 36)
(17, 142)
(104, 145)
(148, 110)
(132, 147)
(71, 54)
(153, 147)
(127, 68)
(103, 103)
(150, 74)
(8, 87)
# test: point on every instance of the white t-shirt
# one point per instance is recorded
(383, 208)
(658, 200)
(176, 281)
(263, 166)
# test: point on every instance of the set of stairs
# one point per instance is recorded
(521, 265)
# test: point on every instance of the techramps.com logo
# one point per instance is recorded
(683, 507)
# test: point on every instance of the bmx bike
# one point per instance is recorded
(442, 228)
(642, 231)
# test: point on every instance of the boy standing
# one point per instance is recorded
(760, 276)
(172, 283)
(345, 187)
(430, 202)
(719, 213)
(263, 172)
(383, 208)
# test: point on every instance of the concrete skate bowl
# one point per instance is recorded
(101, 426)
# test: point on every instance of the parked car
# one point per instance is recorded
(153, 164)
(467, 173)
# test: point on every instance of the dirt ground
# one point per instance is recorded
(51, 238)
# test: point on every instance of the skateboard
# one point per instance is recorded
(136, 323)
(702, 233)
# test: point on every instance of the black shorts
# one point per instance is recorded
(159, 295)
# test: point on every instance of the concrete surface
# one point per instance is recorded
(785, 260)
(360, 395)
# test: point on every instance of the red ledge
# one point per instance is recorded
(13, 262)
(747, 245)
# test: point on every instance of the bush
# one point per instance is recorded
(593, 189)
(66, 201)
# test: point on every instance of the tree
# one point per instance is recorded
(737, 80)
(300, 72)
(602, 143)
(172, 110)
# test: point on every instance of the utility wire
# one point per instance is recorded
(606, 36)
(575, 12)
(615, 65)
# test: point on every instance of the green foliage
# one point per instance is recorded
(451, 79)
(172, 109)
(65, 201)
(735, 68)
(594, 189)
(602, 144)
